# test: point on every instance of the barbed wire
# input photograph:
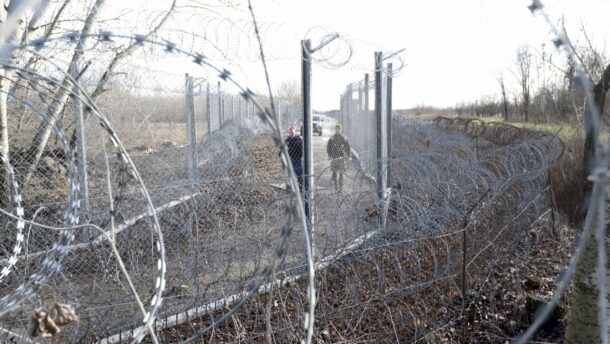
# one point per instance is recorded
(219, 247)
(156, 301)
(598, 195)
(234, 40)
(439, 224)
(53, 265)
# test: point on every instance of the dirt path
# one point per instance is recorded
(340, 217)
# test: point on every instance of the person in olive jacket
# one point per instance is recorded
(339, 151)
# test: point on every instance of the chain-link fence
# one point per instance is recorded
(191, 204)
(169, 207)
(358, 117)
(467, 197)
(171, 153)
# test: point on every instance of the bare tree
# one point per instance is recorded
(583, 321)
(500, 79)
(523, 63)
(8, 8)
(583, 325)
(41, 138)
(289, 91)
(121, 55)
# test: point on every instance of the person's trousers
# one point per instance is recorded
(337, 166)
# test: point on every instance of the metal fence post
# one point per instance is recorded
(344, 105)
(232, 106)
(239, 101)
(381, 138)
(340, 115)
(389, 119)
(359, 119)
(307, 136)
(349, 103)
(228, 100)
(208, 108)
(366, 112)
(81, 144)
(360, 97)
(191, 129)
(220, 107)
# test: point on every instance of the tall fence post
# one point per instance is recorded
(345, 111)
(350, 111)
(359, 119)
(208, 108)
(220, 107)
(191, 128)
(81, 143)
(340, 113)
(381, 138)
(366, 111)
(389, 71)
(360, 97)
(307, 136)
(239, 102)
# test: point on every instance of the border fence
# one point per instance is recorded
(219, 195)
(169, 209)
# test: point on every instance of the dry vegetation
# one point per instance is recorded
(391, 293)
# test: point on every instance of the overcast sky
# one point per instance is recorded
(453, 49)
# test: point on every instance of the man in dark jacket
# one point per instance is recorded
(338, 150)
(295, 150)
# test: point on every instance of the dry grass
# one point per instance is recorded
(567, 175)
(567, 179)
(153, 134)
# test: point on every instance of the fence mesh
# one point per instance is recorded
(189, 203)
